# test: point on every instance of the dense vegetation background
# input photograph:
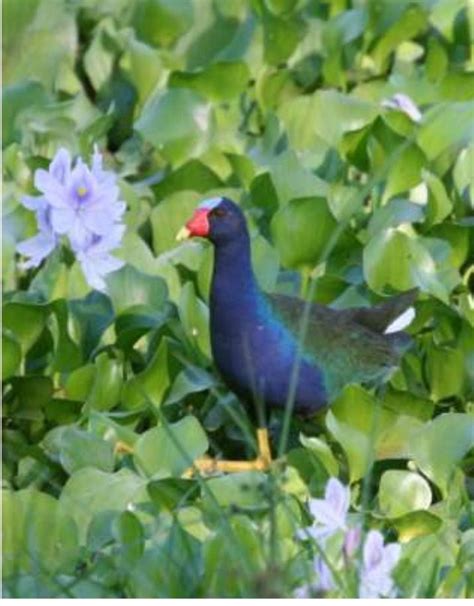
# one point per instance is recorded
(281, 105)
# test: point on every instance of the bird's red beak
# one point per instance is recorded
(198, 225)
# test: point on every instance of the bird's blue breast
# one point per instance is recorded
(256, 354)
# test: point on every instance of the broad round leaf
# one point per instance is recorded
(402, 492)
(39, 535)
(441, 444)
(89, 491)
(301, 230)
(163, 452)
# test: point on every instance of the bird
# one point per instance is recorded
(254, 335)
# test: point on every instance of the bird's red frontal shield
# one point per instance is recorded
(198, 225)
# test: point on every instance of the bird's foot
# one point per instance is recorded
(207, 465)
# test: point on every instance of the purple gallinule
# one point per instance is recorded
(254, 335)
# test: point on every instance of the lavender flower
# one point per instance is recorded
(81, 204)
(329, 513)
(324, 581)
(40, 246)
(378, 564)
(378, 560)
(404, 104)
(351, 542)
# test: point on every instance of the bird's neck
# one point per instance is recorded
(233, 284)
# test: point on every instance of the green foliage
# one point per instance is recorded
(282, 106)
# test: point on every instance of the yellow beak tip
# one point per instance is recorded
(183, 234)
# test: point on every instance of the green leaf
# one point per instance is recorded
(245, 489)
(218, 82)
(162, 22)
(79, 449)
(157, 454)
(31, 394)
(177, 123)
(192, 176)
(292, 180)
(464, 172)
(398, 258)
(194, 315)
(439, 204)
(151, 384)
(79, 382)
(410, 24)
(90, 491)
(418, 573)
(146, 68)
(170, 492)
(416, 524)
(107, 384)
(323, 453)
(266, 263)
(26, 322)
(29, 28)
(394, 213)
(447, 127)
(169, 216)
(445, 371)
(405, 172)
(16, 98)
(325, 115)
(129, 534)
(440, 446)
(301, 230)
(190, 380)
(67, 355)
(99, 59)
(281, 37)
(11, 356)
(92, 315)
(128, 286)
(368, 431)
(39, 535)
(401, 492)
(161, 573)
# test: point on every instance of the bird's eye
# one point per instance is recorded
(219, 212)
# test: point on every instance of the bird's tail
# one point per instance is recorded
(401, 341)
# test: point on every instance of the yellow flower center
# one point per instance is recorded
(81, 191)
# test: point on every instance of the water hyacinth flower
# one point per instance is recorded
(324, 581)
(379, 560)
(329, 513)
(81, 204)
(404, 104)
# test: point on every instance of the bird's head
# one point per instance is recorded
(218, 219)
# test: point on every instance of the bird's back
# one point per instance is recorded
(347, 351)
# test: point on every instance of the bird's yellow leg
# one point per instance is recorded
(260, 463)
(208, 465)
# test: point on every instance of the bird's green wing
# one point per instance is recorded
(346, 351)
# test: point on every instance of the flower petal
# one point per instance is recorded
(53, 191)
(110, 241)
(97, 219)
(338, 496)
(60, 167)
(34, 202)
(325, 578)
(373, 549)
(62, 219)
(96, 267)
(37, 248)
